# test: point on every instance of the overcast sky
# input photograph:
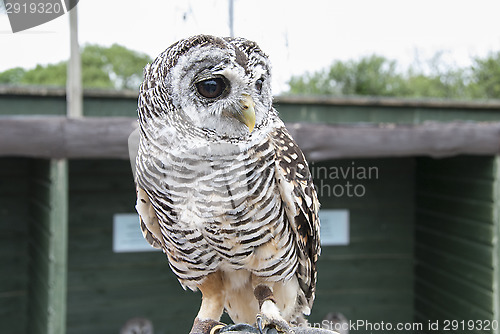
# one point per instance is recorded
(299, 36)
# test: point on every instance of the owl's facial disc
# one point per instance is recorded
(221, 88)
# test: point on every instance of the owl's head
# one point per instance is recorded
(206, 84)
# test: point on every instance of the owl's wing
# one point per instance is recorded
(301, 206)
(147, 216)
(149, 221)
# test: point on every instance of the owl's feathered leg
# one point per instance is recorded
(208, 326)
(269, 312)
(212, 305)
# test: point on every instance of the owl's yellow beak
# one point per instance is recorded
(247, 113)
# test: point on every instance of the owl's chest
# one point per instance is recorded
(229, 207)
(221, 192)
(218, 189)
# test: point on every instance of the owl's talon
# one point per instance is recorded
(259, 323)
(265, 324)
(217, 328)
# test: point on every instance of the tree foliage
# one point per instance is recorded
(486, 76)
(50, 75)
(374, 75)
(13, 75)
(102, 67)
(378, 76)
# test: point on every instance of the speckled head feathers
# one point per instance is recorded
(235, 66)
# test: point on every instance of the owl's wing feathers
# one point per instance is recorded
(149, 221)
(302, 207)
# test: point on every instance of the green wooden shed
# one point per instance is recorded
(410, 193)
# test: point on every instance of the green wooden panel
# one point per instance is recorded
(456, 306)
(472, 230)
(444, 185)
(48, 247)
(116, 103)
(102, 106)
(461, 167)
(32, 105)
(454, 114)
(14, 217)
(105, 289)
(441, 307)
(372, 277)
(455, 265)
(482, 211)
(353, 113)
(456, 224)
(476, 296)
(479, 253)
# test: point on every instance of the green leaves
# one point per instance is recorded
(12, 75)
(378, 76)
(486, 76)
(49, 75)
(102, 67)
(374, 75)
(112, 67)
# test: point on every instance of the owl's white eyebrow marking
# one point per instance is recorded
(258, 72)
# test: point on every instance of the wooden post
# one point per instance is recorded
(496, 252)
(48, 247)
(231, 18)
(74, 94)
(49, 223)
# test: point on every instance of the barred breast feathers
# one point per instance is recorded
(210, 189)
(217, 204)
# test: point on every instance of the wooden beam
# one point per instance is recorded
(323, 142)
(106, 137)
(61, 137)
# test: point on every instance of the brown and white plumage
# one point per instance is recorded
(222, 187)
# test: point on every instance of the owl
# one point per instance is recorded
(222, 188)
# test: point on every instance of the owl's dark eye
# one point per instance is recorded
(211, 88)
(258, 84)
